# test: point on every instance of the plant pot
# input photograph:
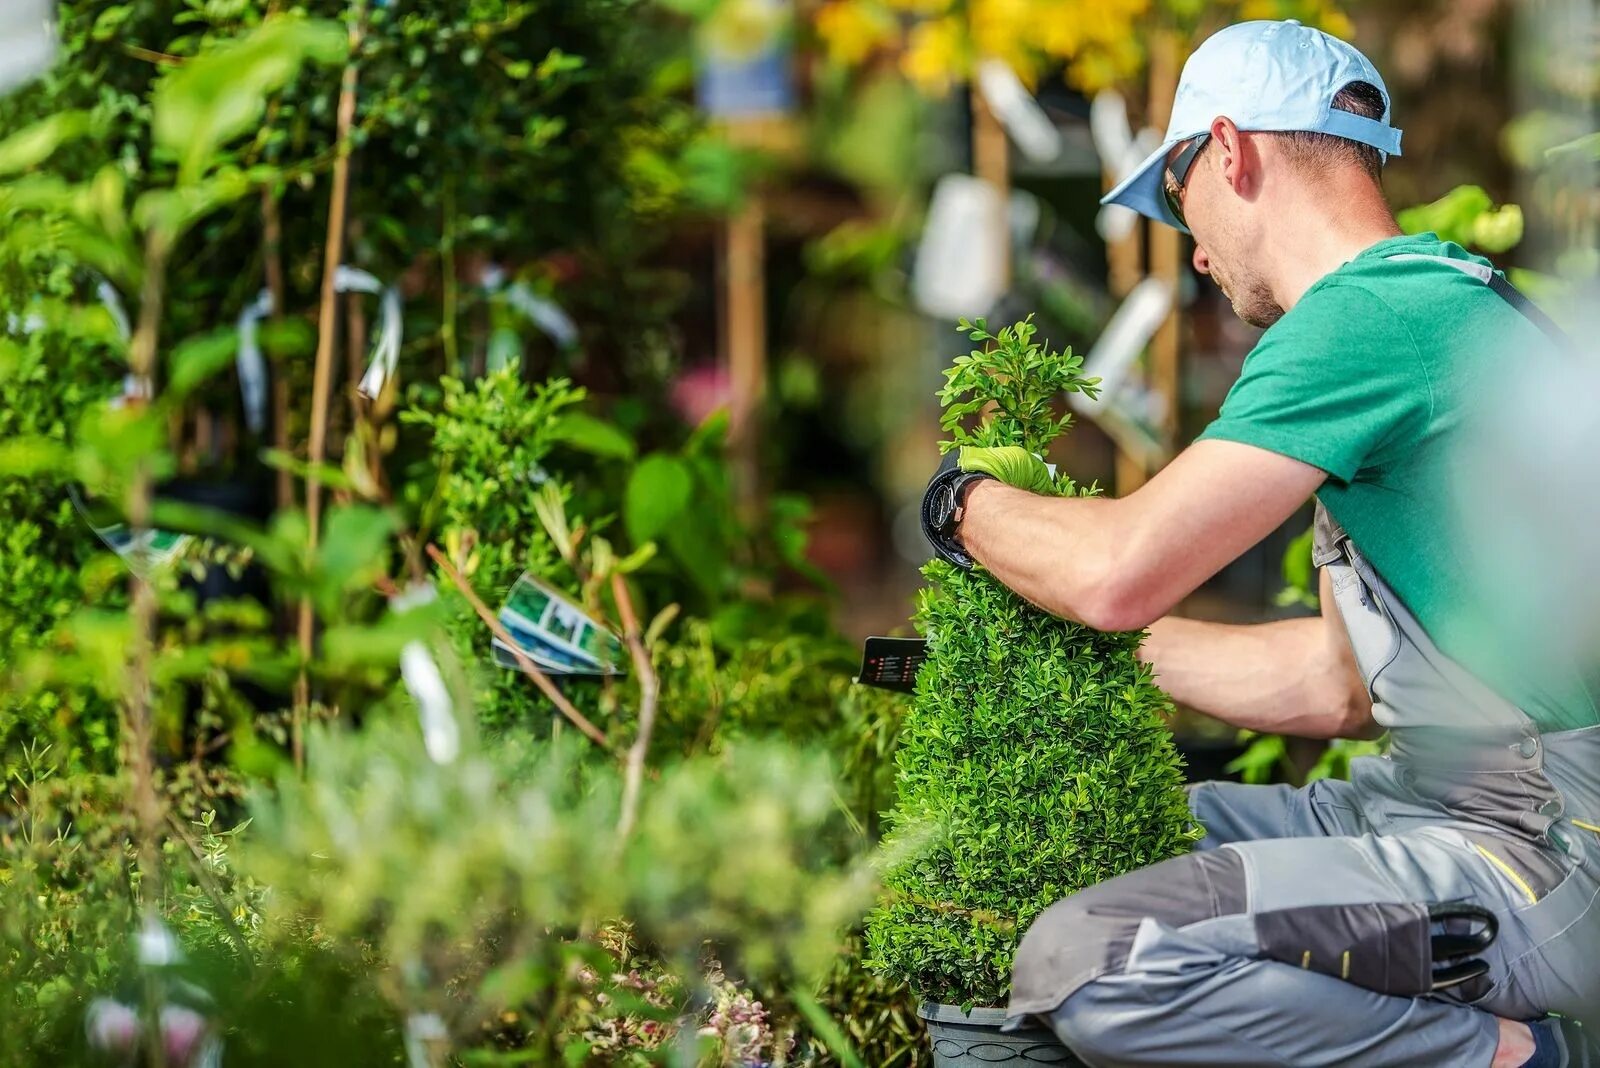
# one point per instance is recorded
(964, 1039)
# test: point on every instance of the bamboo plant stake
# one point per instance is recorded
(322, 373)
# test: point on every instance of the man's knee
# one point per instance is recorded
(1091, 933)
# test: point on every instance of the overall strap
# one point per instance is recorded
(1502, 288)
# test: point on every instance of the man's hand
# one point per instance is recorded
(944, 501)
(1011, 464)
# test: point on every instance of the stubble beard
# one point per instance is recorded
(1251, 298)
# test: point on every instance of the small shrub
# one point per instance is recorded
(1034, 750)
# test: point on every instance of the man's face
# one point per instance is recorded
(1224, 235)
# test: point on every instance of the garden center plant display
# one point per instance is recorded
(333, 891)
(1033, 754)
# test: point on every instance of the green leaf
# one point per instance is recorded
(589, 434)
(10, 357)
(28, 457)
(169, 212)
(1499, 230)
(329, 475)
(657, 493)
(201, 105)
(627, 565)
(197, 359)
(1451, 216)
(1256, 763)
(552, 513)
(32, 145)
(354, 550)
(284, 339)
(658, 626)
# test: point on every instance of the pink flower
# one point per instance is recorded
(182, 1033)
(112, 1026)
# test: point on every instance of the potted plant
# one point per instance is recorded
(1033, 755)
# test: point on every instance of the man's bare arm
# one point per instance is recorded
(1295, 676)
(1122, 564)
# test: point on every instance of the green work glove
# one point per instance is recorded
(1011, 464)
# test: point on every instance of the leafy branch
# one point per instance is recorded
(1013, 382)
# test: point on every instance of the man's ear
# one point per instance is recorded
(1236, 156)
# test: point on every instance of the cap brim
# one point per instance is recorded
(1142, 189)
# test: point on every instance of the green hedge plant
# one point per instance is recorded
(1034, 755)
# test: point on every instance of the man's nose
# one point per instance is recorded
(1202, 262)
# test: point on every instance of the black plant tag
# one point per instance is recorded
(892, 663)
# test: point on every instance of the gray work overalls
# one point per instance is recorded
(1298, 934)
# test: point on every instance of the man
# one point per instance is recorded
(1346, 923)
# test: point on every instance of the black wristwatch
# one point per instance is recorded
(943, 507)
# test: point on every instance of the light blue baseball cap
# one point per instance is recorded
(1265, 76)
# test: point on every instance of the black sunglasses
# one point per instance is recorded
(1179, 170)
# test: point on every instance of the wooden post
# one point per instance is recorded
(991, 161)
(744, 343)
(1125, 265)
(1166, 249)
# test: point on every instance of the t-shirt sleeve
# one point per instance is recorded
(1336, 383)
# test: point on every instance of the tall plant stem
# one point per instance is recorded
(529, 668)
(142, 611)
(649, 691)
(322, 373)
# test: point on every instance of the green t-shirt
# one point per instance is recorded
(1373, 377)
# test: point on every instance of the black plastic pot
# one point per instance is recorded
(247, 498)
(970, 1039)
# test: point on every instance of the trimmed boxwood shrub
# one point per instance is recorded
(1034, 757)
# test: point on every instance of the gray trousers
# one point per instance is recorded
(1297, 935)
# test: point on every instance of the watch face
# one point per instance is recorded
(944, 506)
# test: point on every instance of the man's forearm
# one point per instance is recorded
(1119, 564)
(1280, 677)
(1056, 552)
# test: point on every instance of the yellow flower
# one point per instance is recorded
(852, 29)
(1004, 29)
(1061, 30)
(936, 55)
